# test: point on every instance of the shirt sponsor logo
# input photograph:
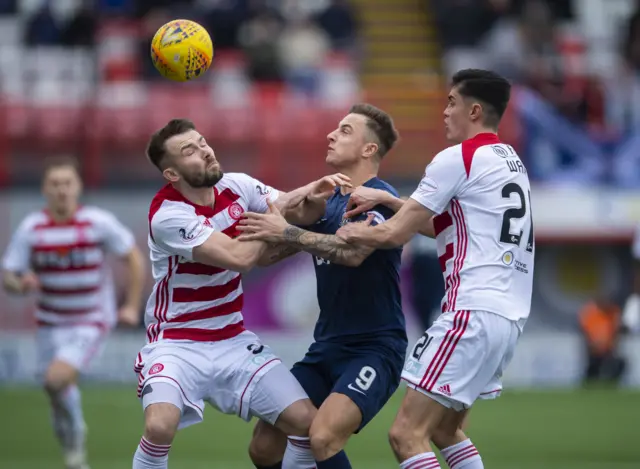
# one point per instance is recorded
(191, 231)
(507, 258)
(501, 152)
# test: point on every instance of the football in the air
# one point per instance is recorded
(181, 50)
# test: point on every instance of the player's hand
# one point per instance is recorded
(354, 232)
(268, 226)
(363, 199)
(128, 316)
(323, 188)
(29, 282)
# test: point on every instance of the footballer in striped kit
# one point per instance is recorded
(198, 349)
(59, 254)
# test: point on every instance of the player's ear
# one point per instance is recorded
(370, 149)
(171, 175)
(475, 112)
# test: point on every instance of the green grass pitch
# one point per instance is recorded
(589, 429)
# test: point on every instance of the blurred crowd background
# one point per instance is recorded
(76, 79)
(77, 73)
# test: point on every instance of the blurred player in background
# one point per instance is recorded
(479, 192)
(354, 365)
(601, 330)
(197, 347)
(59, 253)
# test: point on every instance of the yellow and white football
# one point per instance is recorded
(181, 50)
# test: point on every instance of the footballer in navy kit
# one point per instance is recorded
(354, 365)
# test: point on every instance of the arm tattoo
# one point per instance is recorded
(328, 247)
(277, 253)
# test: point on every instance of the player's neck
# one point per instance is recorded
(358, 175)
(479, 130)
(204, 196)
(62, 214)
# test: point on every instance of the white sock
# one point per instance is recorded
(151, 456)
(298, 454)
(68, 421)
(463, 454)
(421, 461)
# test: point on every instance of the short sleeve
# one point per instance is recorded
(636, 245)
(178, 230)
(118, 238)
(441, 182)
(256, 192)
(17, 257)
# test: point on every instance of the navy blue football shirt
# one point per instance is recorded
(359, 303)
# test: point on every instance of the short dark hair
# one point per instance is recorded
(491, 89)
(380, 123)
(156, 148)
(56, 162)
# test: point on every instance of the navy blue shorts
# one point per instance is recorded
(367, 375)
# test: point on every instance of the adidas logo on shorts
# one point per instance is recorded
(445, 389)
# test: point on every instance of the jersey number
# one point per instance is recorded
(421, 346)
(366, 377)
(516, 213)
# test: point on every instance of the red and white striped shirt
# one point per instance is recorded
(76, 286)
(193, 301)
(484, 230)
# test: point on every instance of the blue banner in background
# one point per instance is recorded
(556, 150)
(561, 152)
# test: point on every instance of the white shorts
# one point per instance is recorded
(75, 345)
(236, 376)
(462, 357)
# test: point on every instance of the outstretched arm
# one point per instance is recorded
(306, 205)
(366, 198)
(395, 232)
(273, 228)
(300, 208)
(177, 230)
(221, 251)
(276, 253)
(329, 247)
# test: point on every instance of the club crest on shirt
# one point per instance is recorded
(236, 211)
